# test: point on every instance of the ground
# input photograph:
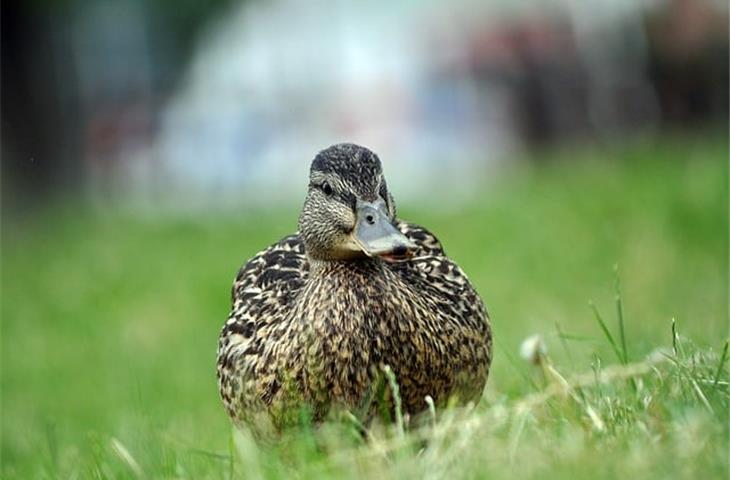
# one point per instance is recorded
(110, 322)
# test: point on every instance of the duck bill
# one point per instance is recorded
(376, 235)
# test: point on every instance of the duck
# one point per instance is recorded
(319, 316)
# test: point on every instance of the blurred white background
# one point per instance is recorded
(445, 93)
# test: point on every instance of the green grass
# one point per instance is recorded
(110, 323)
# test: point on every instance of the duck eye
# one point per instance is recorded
(327, 189)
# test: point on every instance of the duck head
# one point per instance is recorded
(349, 212)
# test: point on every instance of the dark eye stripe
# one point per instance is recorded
(345, 197)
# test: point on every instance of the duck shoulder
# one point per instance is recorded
(262, 292)
(426, 241)
(274, 275)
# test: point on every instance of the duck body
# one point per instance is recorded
(318, 332)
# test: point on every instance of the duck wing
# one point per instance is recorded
(447, 288)
(427, 242)
(431, 268)
(262, 293)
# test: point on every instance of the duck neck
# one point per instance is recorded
(366, 266)
(342, 294)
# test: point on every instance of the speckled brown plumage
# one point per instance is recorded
(310, 327)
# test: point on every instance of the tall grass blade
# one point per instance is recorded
(606, 332)
(563, 341)
(721, 365)
(123, 453)
(52, 442)
(395, 390)
(431, 410)
(518, 425)
(620, 316)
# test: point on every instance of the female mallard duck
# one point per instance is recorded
(319, 314)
